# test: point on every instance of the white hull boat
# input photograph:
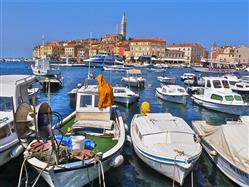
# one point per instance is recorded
(15, 87)
(94, 120)
(218, 95)
(172, 93)
(227, 146)
(133, 78)
(124, 95)
(166, 80)
(166, 144)
(226, 108)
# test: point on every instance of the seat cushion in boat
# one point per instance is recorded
(94, 124)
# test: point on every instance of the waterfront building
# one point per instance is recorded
(242, 55)
(174, 56)
(223, 54)
(193, 52)
(147, 47)
(51, 50)
(70, 50)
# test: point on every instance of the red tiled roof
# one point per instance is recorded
(147, 40)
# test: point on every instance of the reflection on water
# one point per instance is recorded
(133, 172)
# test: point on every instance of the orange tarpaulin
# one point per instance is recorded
(105, 92)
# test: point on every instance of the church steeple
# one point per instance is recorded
(123, 26)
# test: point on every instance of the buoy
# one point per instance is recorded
(145, 108)
(117, 161)
(126, 127)
(128, 140)
(213, 153)
(16, 151)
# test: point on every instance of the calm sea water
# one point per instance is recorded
(133, 172)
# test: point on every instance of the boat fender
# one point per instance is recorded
(117, 161)
(145, 108)
(213, 153)
(128, 140)
(16, 151)
(126, 127)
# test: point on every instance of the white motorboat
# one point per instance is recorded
(218, 95)
(227, 146)
(166, 80)
(241, 87)
(194, 81)
(172, 93)
(42, 67)
(233, 79)
(13, 92)
(124, 95)
(115, 68)
(187, 76)
(166, 144)
(134, 78)
(93, 122)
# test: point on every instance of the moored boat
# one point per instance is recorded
(13, 92)
(172, 93)
(92, 142)
(227, 146)
(133, 78)
(218, 95)
(166, 144)
(124, 95)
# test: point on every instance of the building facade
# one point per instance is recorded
(193, 52)
(242, 55)
(225, 53)
(174, 56)
(147, 47)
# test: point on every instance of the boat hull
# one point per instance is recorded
(125, 100)
(230, 109)
(181, 99)
(170, 169)
(232, 172)
(76, 177)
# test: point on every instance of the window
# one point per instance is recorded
(216, 97)
(237, 98)
(225, 84)
(208, 84)
(217, 84)
(229, 98)
(5, 104)
(85, 100)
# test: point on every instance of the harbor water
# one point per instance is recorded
(133, 172)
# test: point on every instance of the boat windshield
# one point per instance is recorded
(5, 104)
(217, 84)
(225, 84)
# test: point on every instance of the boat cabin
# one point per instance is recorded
(218, 89)
(173, 89)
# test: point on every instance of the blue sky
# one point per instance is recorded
(203, 21)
